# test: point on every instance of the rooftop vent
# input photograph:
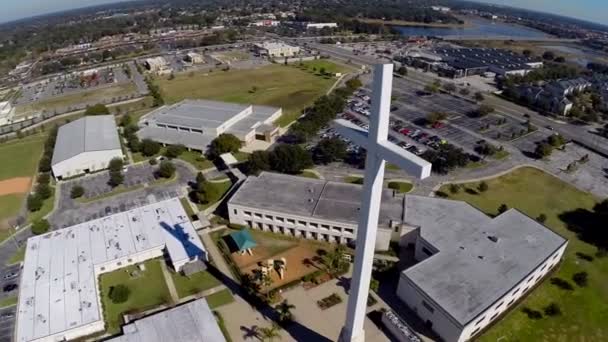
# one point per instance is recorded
(480, 257)
(493, 238)
(310, 200)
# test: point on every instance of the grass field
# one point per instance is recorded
(354, 180)
(148, 290)
(218, 190)
(308, 174)
(20, 156)
(401, 187)
(187, 286)
(17, 257)
(89, 96)
(288, 87)
(219, 298)
(47, 207)
(8, 301)
(329, 66)
(9, 207)
(584, 310)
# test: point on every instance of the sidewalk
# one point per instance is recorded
(170, 284)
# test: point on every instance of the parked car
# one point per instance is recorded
(9, 287)
(10, 275)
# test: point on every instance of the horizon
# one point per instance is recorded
(23, 9)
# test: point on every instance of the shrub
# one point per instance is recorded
(503, 208)
(542, 218)
(77, 191)
(174, 151)
(374, 285)
(166, 169)
(43, 191)
(584, 256)
(532, 314)
(454, 188)
(580, 278)
(115, 164)
(153, 161)
(552, 310)
(482, 187)
(40, 227)
(119, 294)
(149, 148)
(329, 301)
(34, 202)
(44, 178)
(562, 284)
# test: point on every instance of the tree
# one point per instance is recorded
(542, 218)
(34, 203)
(284, 309)
(503, 208)
(270, 333)
(548, 55)
(330, 150)
(482, 187)
(43, 191)
(224, 143)
(174, 151)
(166, 169)
(543, 150)
(258, 161)
(433, 117)
(556, 140)
(432, 87)
(40, 226)
(77, 191)
(44, 178)
(334, 261)
(354, 83)
(454, 188)
(200, 178)
(552, 310)
(581, 278)
(119, 293)
(115, 164)
(482, 111)
(290, 159)
(116, 178)
(98, 109)
(126, 120)
(45, 164)
(402, 71)
(479, 96)
(149, 147)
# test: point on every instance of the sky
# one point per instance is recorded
(592, 10)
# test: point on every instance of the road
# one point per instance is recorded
(578, 134)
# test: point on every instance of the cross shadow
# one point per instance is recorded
(250, 333)
(178, 232)
(298, 331)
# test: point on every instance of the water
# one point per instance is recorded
(580, 55)
(476, 28)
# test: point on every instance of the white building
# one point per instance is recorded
(190, 322)
(157, 65)
(276, 49)
(471, 268)
(85, 145)
(59, 298)
(266, 23)
(195, 58)
(309, 208)
(440, 9)
(195, 123)
(6, 111)
(319, 26)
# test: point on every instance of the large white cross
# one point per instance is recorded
(379, 150)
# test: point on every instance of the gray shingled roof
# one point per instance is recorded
(471, 271)
(91, 133)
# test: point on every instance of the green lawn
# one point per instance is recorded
(216, 191)
(220, 298)
(402, 187)
(585, 310)
(8, 301)
(328, 65)
(47, 207)
(187, 286)
(282, 86)
(9, 207)
(196, 159)
(308, 174)
(17, 257)
(148, 290)
(20, 157)
(187, 206)
(354, 180)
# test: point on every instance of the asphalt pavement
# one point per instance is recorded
(7, 323)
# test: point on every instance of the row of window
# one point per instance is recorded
(294, 231)
(293, 222)
(181, 129)
(514, 294)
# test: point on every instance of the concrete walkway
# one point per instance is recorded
(216, 256)
(170, 284)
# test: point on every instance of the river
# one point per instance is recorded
(476, 27)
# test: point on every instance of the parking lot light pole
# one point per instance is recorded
(379, 150)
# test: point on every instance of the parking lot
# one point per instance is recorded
(7, 323)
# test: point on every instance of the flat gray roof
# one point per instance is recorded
(470, 272)
(311, 198)
(196, 113)
(172, 137)
(59, 284)
(190, 322)
(91, 133)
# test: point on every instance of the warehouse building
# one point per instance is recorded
(195, 123)
(190, 322)
(85, 145)
(471, 268)
(309, 208)
(276, 49)
(157, 65)
(60, 299)
(476, 61)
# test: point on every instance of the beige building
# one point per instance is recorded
(276, 49)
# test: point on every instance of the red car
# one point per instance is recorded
(405, 131)
(438, 124)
